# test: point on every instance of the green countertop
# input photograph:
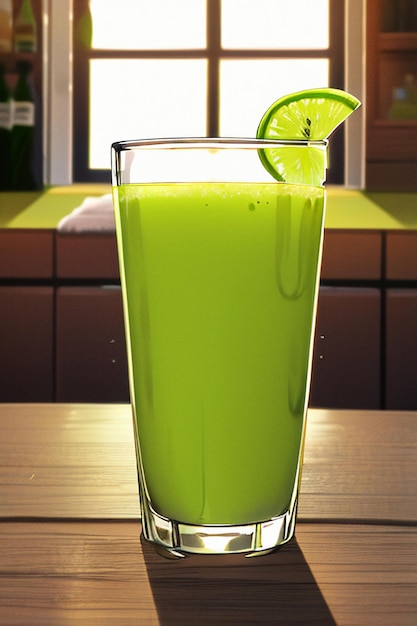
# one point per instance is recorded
(346, 209)
(44, 209)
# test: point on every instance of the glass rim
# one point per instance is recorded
(213, 142)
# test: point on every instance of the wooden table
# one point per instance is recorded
(71, 553)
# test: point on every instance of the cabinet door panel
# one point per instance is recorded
(346, 363)
(26, 327)
(401, 349)
(91, 364)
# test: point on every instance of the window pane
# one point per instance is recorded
(148, 24)
(133, 99)
(249, 87)
(281, 24)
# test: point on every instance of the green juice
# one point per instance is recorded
(220, 284)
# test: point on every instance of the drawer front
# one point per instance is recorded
(26, 253)
(87, 256)
(351, 255)
(401, 256)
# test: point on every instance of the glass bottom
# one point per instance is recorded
(255, 539)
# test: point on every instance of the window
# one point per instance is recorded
(195, 67)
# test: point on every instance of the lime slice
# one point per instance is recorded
(310, 115)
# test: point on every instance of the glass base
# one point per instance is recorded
(180, 539)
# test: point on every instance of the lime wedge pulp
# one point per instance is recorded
(309, 115)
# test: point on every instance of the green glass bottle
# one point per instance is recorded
(23, 130)
(5, 132)
(25, 37)
(6, 13)
(84, 28)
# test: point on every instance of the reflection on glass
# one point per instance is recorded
(247, 88)
(281, 24)
(148, 24)
(158, 98)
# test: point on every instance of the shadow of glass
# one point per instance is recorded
(278, 588)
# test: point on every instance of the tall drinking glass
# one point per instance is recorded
(219, 266)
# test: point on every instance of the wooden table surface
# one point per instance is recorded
(71, 552)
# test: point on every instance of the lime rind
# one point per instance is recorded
(328, 93)
(311, 114)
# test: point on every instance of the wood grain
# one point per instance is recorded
(100, 573)
(71, 552)
(60, 460)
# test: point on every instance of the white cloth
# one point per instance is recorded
(93, 215)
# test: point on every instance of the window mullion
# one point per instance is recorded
(213, 65)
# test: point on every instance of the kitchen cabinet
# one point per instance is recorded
(26, 315)
(401, 256)
(26, 254)
(401, 320)
(351, 255)
(346, 360)
(90, 362)
(26, 330)
(86, 257)
(401, 349)
(347, 364)
(61, 315)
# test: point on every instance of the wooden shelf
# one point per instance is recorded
(409, 125)
(397, 41)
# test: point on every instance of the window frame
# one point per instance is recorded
(65, 110)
